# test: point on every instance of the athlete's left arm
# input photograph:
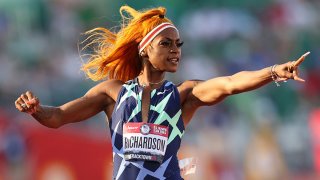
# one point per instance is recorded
(212, 91)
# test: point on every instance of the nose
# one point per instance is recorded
(174, 51)
(174, 48)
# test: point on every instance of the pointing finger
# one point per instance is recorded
(296, 77)
(301, 59)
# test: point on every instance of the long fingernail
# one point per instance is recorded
(306, 54)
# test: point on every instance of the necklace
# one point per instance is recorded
(152, 83)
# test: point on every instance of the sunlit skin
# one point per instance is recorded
(161, 56)
(166, 46)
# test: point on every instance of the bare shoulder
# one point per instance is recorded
(185, 88)
(187, 99)
(110, 88)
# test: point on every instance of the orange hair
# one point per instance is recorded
(115, 55)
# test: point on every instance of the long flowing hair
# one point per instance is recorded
(115, 55)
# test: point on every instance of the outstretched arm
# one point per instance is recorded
(212, 91)
(94, 101)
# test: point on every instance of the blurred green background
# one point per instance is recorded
(263, 134)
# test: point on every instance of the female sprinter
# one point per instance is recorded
(147, 114)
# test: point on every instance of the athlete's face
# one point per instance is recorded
(164, 52)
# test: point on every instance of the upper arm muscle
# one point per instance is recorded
(202, 93)
(94, 101)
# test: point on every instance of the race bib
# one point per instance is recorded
(145, 141)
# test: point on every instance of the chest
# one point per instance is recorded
(157, 107)
(145, 104)
(138, 104)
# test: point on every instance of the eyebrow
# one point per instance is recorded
(171, 39)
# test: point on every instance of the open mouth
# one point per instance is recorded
(174, 60)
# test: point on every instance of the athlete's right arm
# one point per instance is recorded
(97, 99)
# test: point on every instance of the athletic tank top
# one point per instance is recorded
(165, 109)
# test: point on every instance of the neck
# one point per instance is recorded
(148, 78)
(147, 81)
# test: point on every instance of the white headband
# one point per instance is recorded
(153, 33)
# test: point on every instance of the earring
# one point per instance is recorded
(142, 53)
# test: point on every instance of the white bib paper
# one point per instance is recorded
(145, 141)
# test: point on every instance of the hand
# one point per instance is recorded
(290, 70)
(27, 102)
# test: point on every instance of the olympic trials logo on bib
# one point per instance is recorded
(145, 129)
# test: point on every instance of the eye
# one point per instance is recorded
(165, 43)
(179, 44)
